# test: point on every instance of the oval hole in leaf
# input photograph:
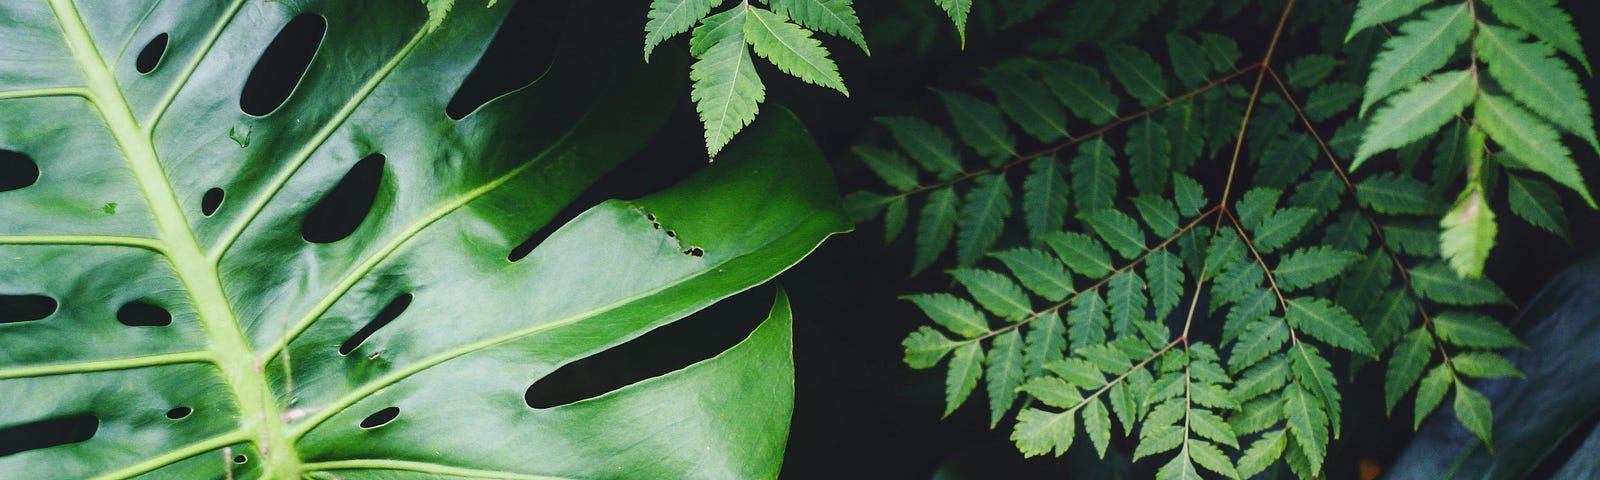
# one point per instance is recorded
(672, 347)
(47, 433)
(522, 51)
(150, 57)
(282, 65)
(178, 413)
(25, 308)
(388, 314)
(343, 209)
(16, 171)
(380, 418)
(141, 314)
(211, 201)
(240, 458)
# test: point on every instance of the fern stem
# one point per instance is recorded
(1377, 228)
(1250, 107)
(1272, 279)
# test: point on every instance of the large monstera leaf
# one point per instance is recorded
(196, 338)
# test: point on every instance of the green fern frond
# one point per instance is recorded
(1370, 13)
(833, 17)
(791, 49)
(1421, 48)
(958, 11)
(668, 18)
(726, 91)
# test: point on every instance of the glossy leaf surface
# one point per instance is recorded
(285, 358)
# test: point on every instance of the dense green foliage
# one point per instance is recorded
(220, 301)
(1192, 262)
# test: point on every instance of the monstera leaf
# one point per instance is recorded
(192, 289)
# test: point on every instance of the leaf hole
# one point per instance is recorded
(47, 433)
(522, 50)
(380, 418)
(25, 308)
(282, 65)
(142, 314)
(700, 336)
(150, 56)
(695, 252)
(388, 314)
(343, 209)
(672, 234)
(240, 458)
(17, 171)
(211, 201)
(177, 413)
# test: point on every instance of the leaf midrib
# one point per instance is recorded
(230, 347)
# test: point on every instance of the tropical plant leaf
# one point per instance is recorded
(979, 123)
(1329, 323)
(1393, 193)
(833, 17)
(668, 18)
(1536, 202)
(925, 347)
(1094, 176)
(1004, 374)
(1437, 283)
(1028, 102)
(1310, 266)
(997, 294)
(1530, 141)
(1421, 48)
(983, 217)
(1149, 156)
(936, 227)
(1138, 73)
(951, 312)
(791, 48)
(890, 166)
(1472, 408)
(1431, 392)
(1533, 75)
(1262, 454)
(926, 145)
(1417, 112)
(1044, 197)
(245, 291)
(1473, 330)
(727, 92)
(1082, 90)
(1544, 20)
(1483, 365)
(1038, 271)
(1405, 367)
(957, 10)
(1046, 343)
(1119, 230)
(1370, 13)
(966, 367)
(1083, 253)
(1307, 422)
(1469, 233)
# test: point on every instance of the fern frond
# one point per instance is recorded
(1149, 156)
(966, 367)
(1544, 20)
(1530, 141)
(983, 216)
(926, 145)
(1370, 13)
(996, 293)
(726, 89)
(1473, 330)
(979, 123)
(1417, 112)
(1082, 90)
(1533, 75)
(1044, 197)
(668, 18)
(833, 17)
(1472, 408)
(957, 10)
(1004, 374)
(1138, 73)
(935, 228)
(1094, 176)
(791, 49)
(1421, 48)
(1027, 102)
(1410, 358)
(1536, 202)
